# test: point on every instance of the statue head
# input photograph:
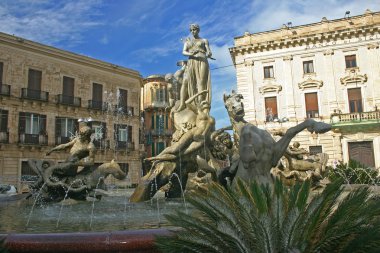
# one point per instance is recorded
(234, 106)
(85, 132)
(194, 27)
(296, 144)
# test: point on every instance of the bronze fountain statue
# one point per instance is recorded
(77, 177)
(197, 151)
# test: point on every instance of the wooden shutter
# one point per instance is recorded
(123, 98)
(97, 92)
(21, 122)
(355, 100)
(1, 72)
(68, 86)
(42, 124)
(34, 79)
(362, 152)
(58, 122)
(129, 134)
(311, 101)
(3, 120)
(271, 102)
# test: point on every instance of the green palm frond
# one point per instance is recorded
(250, 217)
(2, 246)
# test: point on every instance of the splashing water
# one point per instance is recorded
(182, 191)
(34, 204)
(93, 201)
(62, 202)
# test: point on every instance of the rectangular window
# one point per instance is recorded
(123, 134)
(268, 72)
(160, 147)
(355, 100)
(313, 150)
(308, 67)
(32, 123)
(27, 173)
(97, 92)
(350, 61)
(68, 86)
(99, 130)
(271, 109)
(311, 102)
(34, 80)
(1, 72)
(3, 120)
(123, 99)
(65, 127)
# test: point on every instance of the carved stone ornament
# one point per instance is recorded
(270, 88)
(310, 83)
(353, 77)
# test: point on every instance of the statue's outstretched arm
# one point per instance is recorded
(62, 146)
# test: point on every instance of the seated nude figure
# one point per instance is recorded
(194, 138)
(81, 148)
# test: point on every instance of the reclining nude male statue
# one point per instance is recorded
(258, 152)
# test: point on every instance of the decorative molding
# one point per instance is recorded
(373, 45)
(288, 58)
(310, 83)
(356, 78)
(328, 52)
(249, 63)
(270, 88)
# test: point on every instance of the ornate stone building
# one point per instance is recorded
(157, 121)
(328, 71)
(43, 93)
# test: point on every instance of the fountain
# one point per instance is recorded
(199, 154)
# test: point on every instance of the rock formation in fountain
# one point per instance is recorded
(77, 176)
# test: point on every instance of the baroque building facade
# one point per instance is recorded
(44, 91)
(156, 114)
(328, 71)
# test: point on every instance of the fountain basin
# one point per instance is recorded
(113, 241)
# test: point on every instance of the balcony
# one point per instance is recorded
(34, 94)
(61, 140)
(356, 121)
(158, 104)
(125, 110)
(5, 89)
(33, 139)
(4, 137)
(101, 144)
(160, 132)
(96, 105)
(121, 145)
(68, 100)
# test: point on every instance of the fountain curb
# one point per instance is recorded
(82, 242)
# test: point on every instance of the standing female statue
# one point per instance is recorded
(197, 74)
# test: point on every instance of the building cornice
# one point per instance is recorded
(31, 46)
(311, 34)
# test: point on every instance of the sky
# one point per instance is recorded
(147, 35)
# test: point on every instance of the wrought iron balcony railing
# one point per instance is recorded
(68, 100)
(34, 94)
(159, 132)
(61, 140)
(96, 105)
(125, 110)
(36, 139)
(130, 146)
(5, 89)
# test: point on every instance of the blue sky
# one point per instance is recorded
(145, 35)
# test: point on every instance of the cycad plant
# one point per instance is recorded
(256, 218)
(354, 172)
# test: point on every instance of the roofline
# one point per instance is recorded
(23, 43)
(306, 25)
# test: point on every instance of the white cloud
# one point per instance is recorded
(48, 22)
(104, 40)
